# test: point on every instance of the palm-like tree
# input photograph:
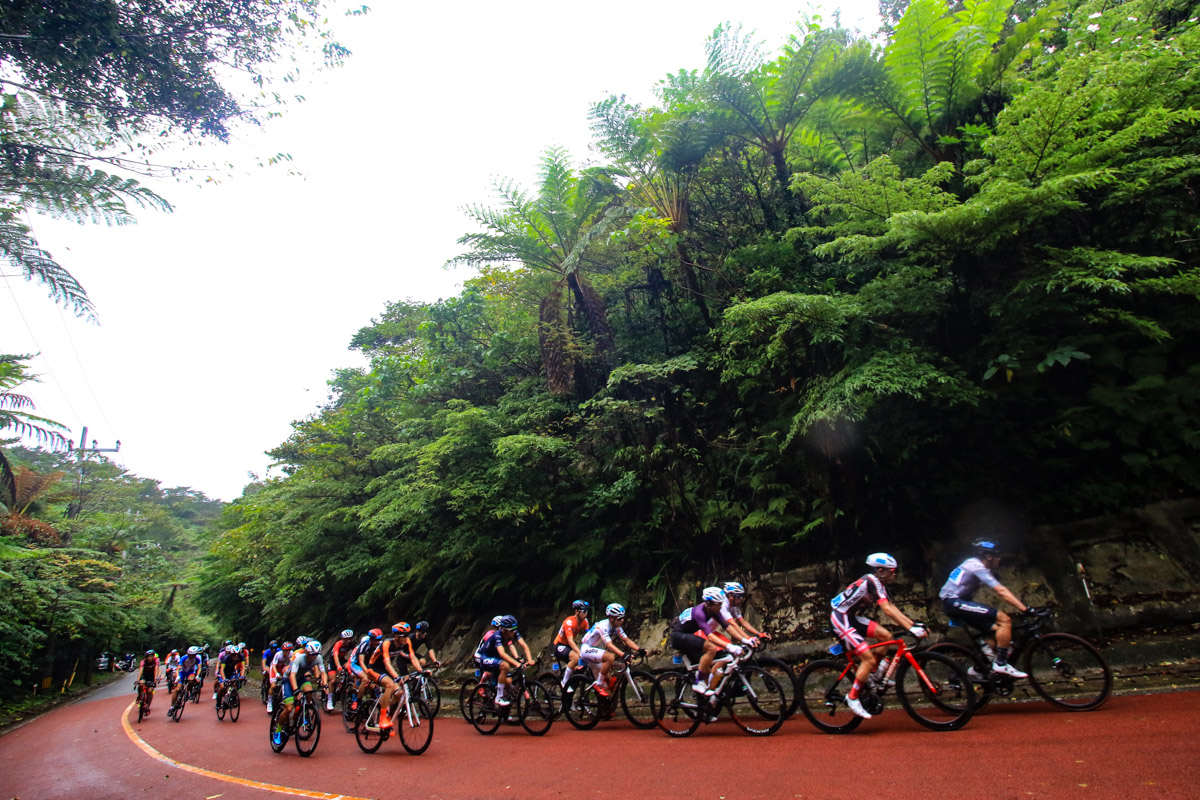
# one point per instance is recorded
(15, 417)
(550, 232)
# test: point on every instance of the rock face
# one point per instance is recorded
(1104, 574)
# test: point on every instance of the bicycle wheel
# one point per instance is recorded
(482, 710)
(785, 676)
(635, 699)
(141, 703)
(583, 710)
(235, 707)
(552, 682)
(182, 701)
(464, 696)
(431, 693)
(350, 709)
(535, 708)
(964, 658)
(756, 701)
(308, 729)
(415, 726)
(1068, 671)
(366, 730)
(221, 708)
(276, 733)
(674, 708)
(262, 691)
(941, 700)
(824, 686)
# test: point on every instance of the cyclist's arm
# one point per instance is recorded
(1007, 596)
(896, 614)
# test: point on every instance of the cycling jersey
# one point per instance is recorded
(730, 610)
(305, 666)
(148, 668)
(269, 655)
(601, 634)
(188, 666)
(965, 580)
(572, 626)
(866, 590)
(172, 663)
(228, 664)
(706, 621)
(340, 652)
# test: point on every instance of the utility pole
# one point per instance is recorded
(75, 508)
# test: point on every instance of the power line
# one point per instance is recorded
(83, 371)
(41, 353)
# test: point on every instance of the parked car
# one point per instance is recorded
(104, 663)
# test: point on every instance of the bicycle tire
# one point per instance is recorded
(756, 701)
(824, 686)
(182, 697)
(221, 708)
(278, 740)
(535, 708)
(553, 684)
(416, 731)
(482, 710)
(262, 690)
(583, 711)
(367, 732)
(431, 693)
(946, 702)
(349, 709)
(635, 699)
(675, 712)
(785, 676)
(967, 660)
(235, 707)
(464, 695)
(1068, 671)
(308, 729)
(141, 702)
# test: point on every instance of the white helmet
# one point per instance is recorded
(734, 588)
(713, 594)
(312, 646)
(231, 649)
(615, 610)
(193, 650)
(881, 560)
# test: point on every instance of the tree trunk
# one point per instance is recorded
(692, 283)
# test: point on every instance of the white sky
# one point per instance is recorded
(221, 322)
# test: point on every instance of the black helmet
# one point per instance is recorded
(581, 605)
(985, 547)
(274, 643)
(421, 627)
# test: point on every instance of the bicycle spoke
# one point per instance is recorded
(1068, 671)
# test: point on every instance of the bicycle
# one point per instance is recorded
(145, 696)
(754, 698)
(230, 702)
(426, 687)
(350, 704)
(1064, 669)
(530, 705)
(585, 706)
(785, 676)
(181, 698)
(304, 725)
(410, 714)
(264, 689)
(933, 689)
(552, 680)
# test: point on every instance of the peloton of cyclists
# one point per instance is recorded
(957, 596)
(854, 629)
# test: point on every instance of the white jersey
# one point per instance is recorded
(964, 581)
(601, 634)
(729, 611)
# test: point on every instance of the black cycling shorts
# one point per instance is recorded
(977, 615)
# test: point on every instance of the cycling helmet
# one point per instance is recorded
(508, 621)
(288, 645)
(347, 634)
(274, 643)
(375, 633)
(402, 628)
(581, 605)
(713, 594)
(615, 610)
(193, 651)
(173, 653)
(226, 643)
(232, 649)
(734, 589)
(302, 640)
(421, 627)
(496, 620)
(985, 547)
(241, 645)
(149, 652)
(881, 560)
(312, 647)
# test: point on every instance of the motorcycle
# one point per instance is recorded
(126, 664)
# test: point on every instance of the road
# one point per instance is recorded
(1142, 746)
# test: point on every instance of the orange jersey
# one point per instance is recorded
(572, 626)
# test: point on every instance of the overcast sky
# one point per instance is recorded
(221, 322)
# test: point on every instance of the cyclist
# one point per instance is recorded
(694, 633)
(339, 656)
(231, 666)
(279, 665)
(189, 672)
(565, 647)
(171, 668)
(304, 667)
(734, 606)
(957, 601)
(419, 639)
(854, 629)
(148, 675)
(396, 647)
(360, 657)
(496, 654)
(597, 650)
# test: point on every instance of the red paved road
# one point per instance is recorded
(1135, 747)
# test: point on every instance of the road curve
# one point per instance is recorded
(1134, 747)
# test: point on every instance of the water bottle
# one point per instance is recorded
(677, 659)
